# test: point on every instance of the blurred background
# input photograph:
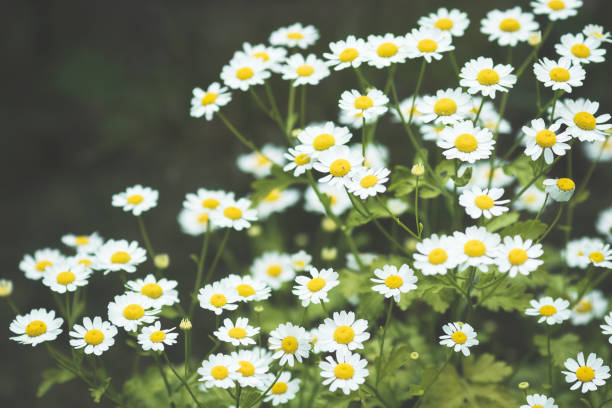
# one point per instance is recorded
(95, 98)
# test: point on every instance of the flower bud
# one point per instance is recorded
(6, 287)
(414, 355)
(329, 253)
(523, 385)
(295, 132)
(185, 325)
(418, 170)
(328, 224)
(258, 309)
(254, 231)
(535, 38)
(161, 261)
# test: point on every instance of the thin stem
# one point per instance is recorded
(363, 139)
(181, 379)
(550, 376)
(163, 376)
(551, 226)
(364, 82)
(382, 341)
(479, 110)
(396, 218)
(200, 270)
(418, 88)
(68, 311)
(240, 137)
(534, 53)
(211, 270)
(290, 104)
(324, 308)
(238, 392)
(263, 394)
(12, 305)
(448, 358)
(453, 60)
(390, 77)
(145, 237)
(302, 106)
(554, 105)
(376, 394)
(416, 208)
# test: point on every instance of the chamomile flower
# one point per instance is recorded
(277, 201)
(607, 328)
(593, 305)
(36, 327)
(428, 43)
(304, 71)
(235, 214)
(95, 336)
(561, 189)
(545, 140)
(273, 268)
(162, 292)
(217, 298)
(247, 288)
(600, 255)
(342, 332)
(301, 261)
(476, 247)
(295, 35)
(479, 202)
(481, 75)
(539, 401)
(315, 139)
(219, 370)
(346, 54)
(453, 22)
(207, 200)
(384, 50)
(64, 277)
(244, 72)
(156, 339)
(83, 243)
(551, 311)
(435, 255)
(289, 343)
(253, 368)
(346, 372)
(556, 9)
(119, 255)
(370, 105)
(466, 142)
(489, 117)
(272, 57)
(604, 223)
(516, 256)
(35, 265)
(314, 288)
(392, 282)
(298, 162)
(597, 32)
(239, 333)
(431, 131)
(481, 172)
(339, 200)
(579, 117)
(600, 150)
(87, 260)
(586, 374)
(283, 390)
(339, 163)
(577, 251)
(353, 119)
(366, 182)
(406, 107)
(459, 336)
(508, 27)
(376, 155)
(131, 310)
(136, 199)
(580, 49)
(259, 164)
(563, 74)
(446, 106)
(6, 287)
(207, 102)
(531, 200)
(194, 222)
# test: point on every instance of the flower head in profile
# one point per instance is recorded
(459, 336)
(561, 189)
(277, 201)
(34, 266)
(392, 282)
(95, 336)
(136, 199)
(295, 35)
(36, 327)
(347, 371)
(317, 138)
(207, 102)
(272, 57)
(586, 374)
(452, 21)
(551, 311)
(260, 163)
(84, 244)
(606, 329)
(597, 32)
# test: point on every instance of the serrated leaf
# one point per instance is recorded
(485, 369)
(562, 348)
(522, 168)
(508, 296)
(502, 221)
(98, 392)
(51, 377)
(531, 229)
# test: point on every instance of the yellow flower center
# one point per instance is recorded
(94, 337)
(466, 143)
(237, 333)
(261, 160)
(245, 290)
(273, 195)
(566, 184)
(203, 218)
(596, 256)
(246, 369)
(152, 290)
(585, 373)
(66, 277)
(548, 310)
(459, 337)
(218, 300)
(368, 181)
(36, 328)
(233, 213)
(387, 50)
(244, 73)
(85, 262)
(363, 102)
(289, 344)
(546, 138)
(556, 4)
(445, 107)
(484, 202)
(487, 77)
(210, 203)
(344, 334)
(133, 312)
(348, 55)
(437, 256)
(209, 98)
(81, 240)
(332, 198)
(340, 167)
(262, 55)
(274, 270)
(585, 121)
(509, 25)
(294, 35)
(344, 371)
(279, 388)
(120, 257)
(157, 336)
(580, 50)
(394, 281)
(316, 284)
(219, 372)
(517, 256)
(301, 159)
(584, 306)
(559, 74)
(474, 248)
(444, 24)
(135, 199)
(42, 265)
(427, 45)
(530, 198)
(305, 70)
(323, 141)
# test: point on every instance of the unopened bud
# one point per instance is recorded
(6, 287)
(535, 38)
(301, 239)
(328, 224)
(185, 325)
(258, 309)
(414, 355)
(254, 231)
(418, 170)
(161, 261)
(295, 132)
(329, 253)
(523, 385)
(410, 244)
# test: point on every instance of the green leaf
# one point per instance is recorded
(355, 218)
(522, 168)
(169, 312)
(51, 377)
(98, 392)
(485, 369)
(562, 348)
(464, 179)
(509, 296)
(577, 199)
(278, 180)
(502, 221)
(526, 229)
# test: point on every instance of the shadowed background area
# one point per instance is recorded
(96, 98)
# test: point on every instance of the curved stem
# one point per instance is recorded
(263, 394)
(145, 238)
(182, 380)
(551, 226)
(200, 270)
(211, 270)
(163, 376)
(382, 341)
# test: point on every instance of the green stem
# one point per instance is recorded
(550, 376)
(416, 209)
(68, 311)
(363, 139)
(302, 106)
(187, 351)
(382, 341)
(453, 60)
(163, 376)
(448, 358)
(363, 81)
(551, 226)
(479, 110)
(145, 237)
(290, 104)
(390, 77)
(240, 137)
(12, 305)
(238, 392)
(182, 380)
(376, 394)
(417, 89)
(396, 219)
(263, 394)
(200, 270)
(211, 270)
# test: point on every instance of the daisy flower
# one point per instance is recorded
(87, 260)
(295, 35)
(253, 368)
(298, 162)
(277, 201)
(315, 139)
(435, 255)
(479, 202)
(459, 336)
(283, 390)
(259, 164)
(130, 310)
(346, 54)
(95, 336)
(600, 255)
(516, 256)
(338, 162)
(531, 200)
(508, 27)
(604, 223)
(579, 117)
(6, 287)
(577, 252)
(137, 199)
(272, 57)
(119, 256)
(36, 327)
(156, 339)
(289, 342)
(431, 131)
(593, 305)
(314, 288)
(342, 332)
(235, 214)
(217, 298)
(551, 311)
(453, 22)
(219, 370)
(244, 72)
(406, 107)
(563, 74)
(206, 103)
(482, 75)
(83, 243)
(347, 371)
(580, 49)
(446, 106)
(247, 288)
(477, 247)
(376, 155)
(339, 200)
(539, 401)
(301, 261)
(588, 374)
(545, 140)
(304, 71)
(489, 117)
(367, 182)
(205, 199)
(384, 50)
(607, 328)
(162, 292)
(194, 222)
(560, 190)
(556, 9)
(599, 150)
(466, 142)
(35, 265)
(371, 105)
(239, 333)
(428, 43)
(393, 282)
(65, 277)
(353, 119)
(273, 268)
(597, 32)
(481, 172)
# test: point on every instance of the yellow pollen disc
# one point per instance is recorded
(85, 262)
(245, 290)
(530, 198)
(233, 213)
(64, 278)
(484, 202)
(585, 121)
(262, 55)
(517, 256)
(323, 141)
(556, 4)
(42, 265)
(596, 257)
(157, 336)
(459, 337)
(219, 372)
(301, 159)
(279, 388)
(152, 290)
(444, 24)
(584, 306)
(237, 333)
(474, 248)
(437, 256)
(273, 195)
(585, 373)
(546, 138)
(427, 45)
(36, 328)
(261, 160)
(487, 77)
(135, 199)
(559, 74)
(445, 107)
(299, 264)
(387, 50)
(394, 281)
(210, 203)
(316, 284)
(344, 371)
(548, 310)
(209, 98)
(580, 253)
(305, 70)
(580, 50)
(340, 168)
(368, 181)
(246, 369)
(218, 300)
(509, 25)
(133, 312)
(332, 198)
(81, 240)
(295, 35)
(120, 257)
(466, 143)
(289, 344)
(203, 218)
(344, 334)
(274, 270)
(348, 55)
(363, 102)
(566, 184)
(94, 337)
(244, 73)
